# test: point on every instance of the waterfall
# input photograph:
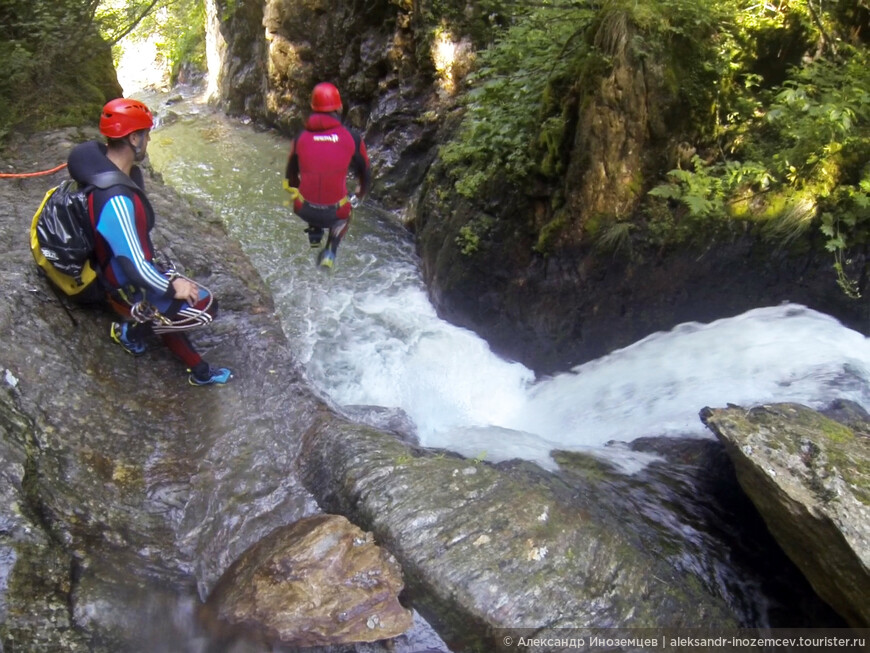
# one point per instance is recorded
(215, 46)
(367, 334)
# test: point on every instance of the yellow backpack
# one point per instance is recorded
(62, 236)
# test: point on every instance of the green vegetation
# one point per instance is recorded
(56, 54)
(523, 97)
(774, 99)
(504, 101)
(801, 158)
(56, 69)
(471, 234)
(180, 33)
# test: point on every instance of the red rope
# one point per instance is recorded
(18, 175)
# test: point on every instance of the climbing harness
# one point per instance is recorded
(353, 200)
(142, 311)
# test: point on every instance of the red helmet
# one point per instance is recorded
(325, 98)
(121, 117)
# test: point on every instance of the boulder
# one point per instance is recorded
(317, 582)
(808, 476)
(485, 548)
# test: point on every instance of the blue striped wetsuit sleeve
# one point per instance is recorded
(117, 224)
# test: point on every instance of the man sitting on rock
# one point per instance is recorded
(147, 297)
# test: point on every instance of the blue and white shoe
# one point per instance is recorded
(219, 375)
(326, 258)
(118, 333)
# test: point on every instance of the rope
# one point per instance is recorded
(21, 175)
(143, 311)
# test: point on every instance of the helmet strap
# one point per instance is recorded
(138, 151)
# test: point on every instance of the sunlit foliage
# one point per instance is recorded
(180, 30)
(775, 97)
(555, 52)
(506, 94)
(793, 154)
(55, 55)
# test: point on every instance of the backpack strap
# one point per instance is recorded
(104, 180)
(110, 178)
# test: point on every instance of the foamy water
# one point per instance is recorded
(367, 333)
(395, 352)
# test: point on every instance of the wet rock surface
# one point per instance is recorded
(486, 548)
(130, 492)
(808, 476)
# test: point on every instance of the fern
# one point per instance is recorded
(814, 139)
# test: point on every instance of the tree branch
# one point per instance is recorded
(129, 28)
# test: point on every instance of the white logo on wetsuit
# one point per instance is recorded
(332, 138)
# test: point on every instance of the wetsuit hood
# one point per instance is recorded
(320, 122)
(89, 159)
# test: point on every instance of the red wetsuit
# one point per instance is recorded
(320, 159)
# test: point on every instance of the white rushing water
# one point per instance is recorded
(367, 333)
(392, 350)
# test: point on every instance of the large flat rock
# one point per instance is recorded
(809, 476)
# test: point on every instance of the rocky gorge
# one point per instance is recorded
(130, 496)
(142, 514)
(538, 287)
